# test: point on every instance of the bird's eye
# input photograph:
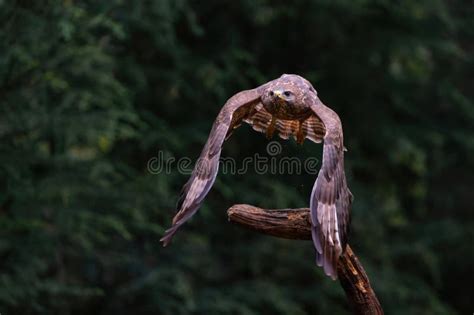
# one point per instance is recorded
(287, 93)
(271, 93)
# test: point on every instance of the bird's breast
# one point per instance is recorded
(283, 110)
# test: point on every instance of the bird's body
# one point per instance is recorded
(290, 107)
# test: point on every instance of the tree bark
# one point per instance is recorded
(296, 224)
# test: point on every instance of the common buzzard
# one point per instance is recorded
(290, 106)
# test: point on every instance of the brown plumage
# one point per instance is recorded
(288, 106)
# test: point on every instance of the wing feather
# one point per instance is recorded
(205, 171)
(330, 199)
(312, 128)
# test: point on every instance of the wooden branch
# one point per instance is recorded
(296, 224)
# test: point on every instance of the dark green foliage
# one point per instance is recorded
(90, 91)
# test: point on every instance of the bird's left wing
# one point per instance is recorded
(237, 108)
(331, 198)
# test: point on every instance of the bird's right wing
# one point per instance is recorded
(204, 174)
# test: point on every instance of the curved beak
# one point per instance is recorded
(278, 94)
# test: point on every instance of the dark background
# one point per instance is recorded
(90, 91)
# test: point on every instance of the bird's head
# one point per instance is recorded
(283, 95)
(286, 97)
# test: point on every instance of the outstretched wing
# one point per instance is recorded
(330, 199)
(204, 174)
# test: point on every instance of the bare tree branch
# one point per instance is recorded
(296, 224)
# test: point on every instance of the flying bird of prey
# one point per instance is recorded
(289, 106)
